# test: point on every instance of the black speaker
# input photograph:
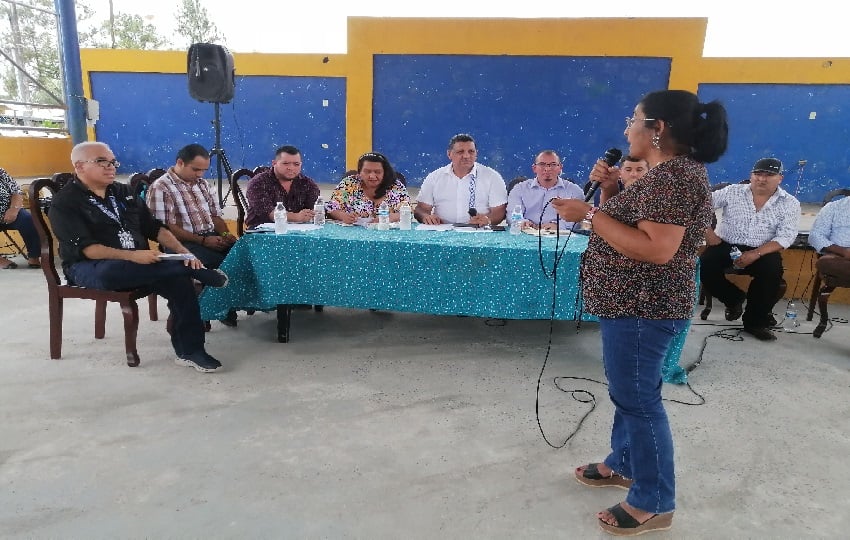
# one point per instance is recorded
(211, 74)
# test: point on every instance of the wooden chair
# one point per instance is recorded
(259, 169)
(516, 180)
(10, 242)
(239, 196)
(821, 289)
(62, 178)
(58, 291)
(153, 174)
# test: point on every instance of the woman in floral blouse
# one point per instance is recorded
(13, 216)
(638, 276)
(361, 194)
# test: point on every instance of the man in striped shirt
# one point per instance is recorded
(760, 219)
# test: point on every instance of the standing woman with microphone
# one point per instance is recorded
(638, 277)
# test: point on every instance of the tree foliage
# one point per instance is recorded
(130, 31)
(193, 23)
(29, 36)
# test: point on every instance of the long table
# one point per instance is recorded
(481, 274)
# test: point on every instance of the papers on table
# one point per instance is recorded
(442, 227)
(540, 232)
(176, 256)
(291, 227)
(473, 229)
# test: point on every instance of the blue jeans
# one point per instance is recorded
(633, 351)
(24, 225)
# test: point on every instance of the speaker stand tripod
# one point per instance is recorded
(221, 159)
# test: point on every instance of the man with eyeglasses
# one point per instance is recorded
(103, 232)
(284, 182)
(464, 191)
(534, 194)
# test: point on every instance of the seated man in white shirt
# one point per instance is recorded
(830, 236)
(761, 219)
(534, 194)
(463, 191)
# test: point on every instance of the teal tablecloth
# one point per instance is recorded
(443, 273)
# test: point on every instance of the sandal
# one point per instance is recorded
(627, 525)
(590, 476)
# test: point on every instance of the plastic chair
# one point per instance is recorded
(58, 291)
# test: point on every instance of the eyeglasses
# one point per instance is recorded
(630, 120)
(548, 165)
(103, 162)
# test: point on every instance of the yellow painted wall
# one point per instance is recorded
(34, 156)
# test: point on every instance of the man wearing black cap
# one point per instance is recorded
(760, 219)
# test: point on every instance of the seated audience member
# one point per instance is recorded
(14, 216)
(534, 193)
(448, 194)
(761, 219)
(360, 195)
(284, 182)
(830, 236)
(103, 232)
(182, 200)
(632, 168)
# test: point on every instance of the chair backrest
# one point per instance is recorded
(62, 178)
(139, 184)
(239, 196)
(516, 180)
(153, 174)
(38, 208)
(401, 178)
(834, 194)
(257, 170)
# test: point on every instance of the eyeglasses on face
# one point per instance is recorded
(630, 120)
(548, 165)
(103, 162)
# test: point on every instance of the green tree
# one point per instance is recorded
(193, 23)
(130, 32)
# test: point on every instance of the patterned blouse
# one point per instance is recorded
(614, 285)
(8, 187)
(349, 197)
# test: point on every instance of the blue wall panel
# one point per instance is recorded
(773, 120)
(147, 117)
(514, 106)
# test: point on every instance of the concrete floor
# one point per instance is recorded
(392, 425)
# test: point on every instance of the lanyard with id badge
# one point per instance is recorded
(125, 237)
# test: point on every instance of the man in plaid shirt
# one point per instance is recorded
(182, 200)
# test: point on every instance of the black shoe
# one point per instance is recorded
(771, 321)
(209, 277)
(230, 320)
(762, 334)
(200, 360)
(734, 312)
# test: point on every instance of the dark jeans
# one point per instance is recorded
(762, 293)
(170, 279)
(24, 225)
(633, 352)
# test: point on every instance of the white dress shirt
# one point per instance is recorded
(449, 195)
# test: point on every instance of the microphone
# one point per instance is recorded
(473, 212)
(611, 157)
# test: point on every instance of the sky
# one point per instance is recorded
(735, 28)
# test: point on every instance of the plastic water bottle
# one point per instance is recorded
(516, 220)
(281, 223)
(790, 323)
(319, 212)
(384, 217)
(405, 217)
(734, 253)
